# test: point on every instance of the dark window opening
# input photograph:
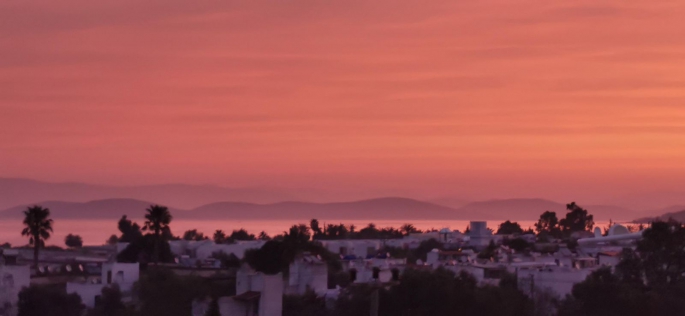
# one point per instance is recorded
(395, 275)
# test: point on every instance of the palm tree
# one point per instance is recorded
(38, 228)
(157, 220)
(408, 229)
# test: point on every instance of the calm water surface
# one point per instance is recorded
(96, 232)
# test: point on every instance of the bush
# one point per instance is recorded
(37, 300)
(73, 241)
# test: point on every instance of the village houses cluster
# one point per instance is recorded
(550, 267)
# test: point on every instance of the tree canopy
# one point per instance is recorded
(42, 300)
(548, 225)
(37, 226)
(193, 234)
(648, 281)
(576, 220)
(73, 241)
(509, 228)
(438, 292)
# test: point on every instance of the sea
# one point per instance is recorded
(96, 232)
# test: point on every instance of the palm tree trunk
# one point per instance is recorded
(156, 250)
(36, 244)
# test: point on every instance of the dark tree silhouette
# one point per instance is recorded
(297, 235)
(518, 244)
(110, 303)
(73, 241)
(38, 227)
(264, 236)
(316, 228)
(647, 281)
(407, 229)
(213, 309)
(662, 253)
(272, 258)
(193, 234)
(241, 234)
(509, 228)
(130, 231)
(157, 221)
(489, 252)
(41, 300)
(548, 225)
(576, 220)
(112, 240)
(219, 236)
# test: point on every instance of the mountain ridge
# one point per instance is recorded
(386, 208)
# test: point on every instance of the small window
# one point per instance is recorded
(353, 275)
(376, 273)
(395, 274)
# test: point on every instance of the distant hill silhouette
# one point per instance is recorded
(449, 202)
(390, 208)
(676, 212)
(650, 200)
(15, 192)
(99, 209)
(381, 208)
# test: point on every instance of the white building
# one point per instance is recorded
(408, 242)
(203, 249)
(13, 278)
(353, 247)
(438, 257)
(307, 272)
(122, 274)
(257, 294)
(609, 258)
(485, 274)
(238, 249)
(479, 235)
(376, 269)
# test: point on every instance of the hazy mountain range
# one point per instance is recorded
(84, 201)
(15, 192)
(381, 208)
(676, 212)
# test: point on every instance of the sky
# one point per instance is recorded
(473, 99)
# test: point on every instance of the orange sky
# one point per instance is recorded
(493, 98)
